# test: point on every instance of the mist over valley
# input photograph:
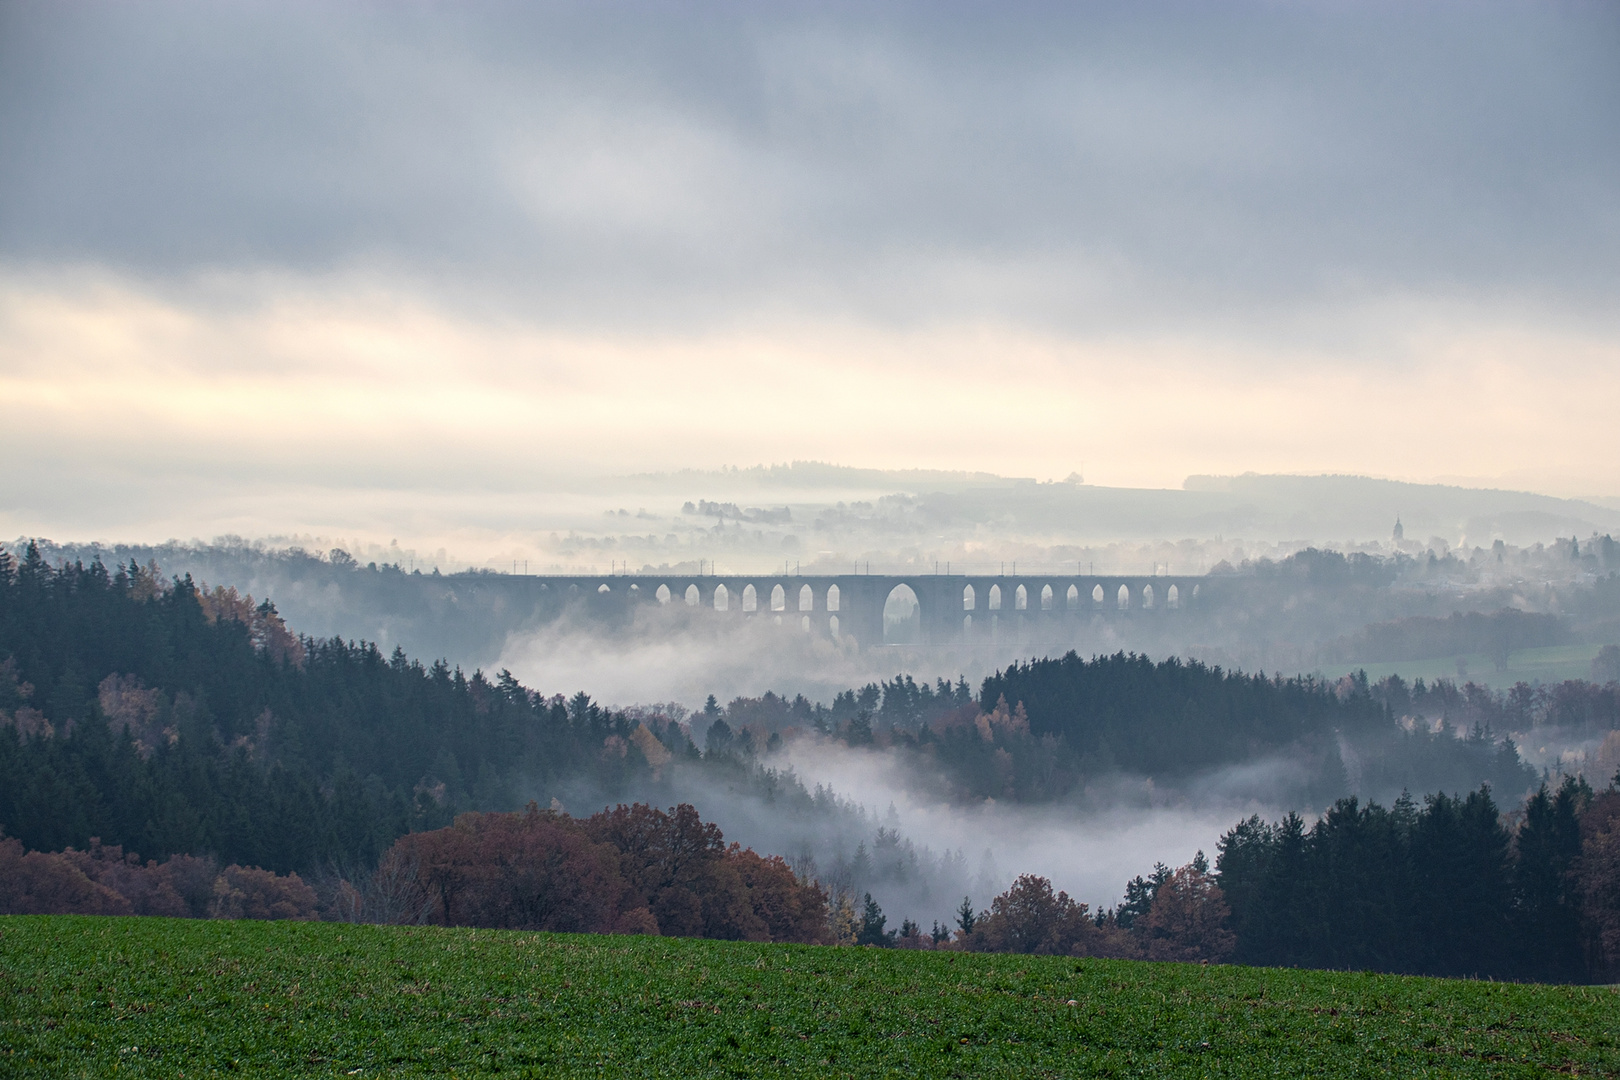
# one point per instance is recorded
(828, 749)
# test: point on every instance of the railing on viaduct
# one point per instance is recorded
(950, 607)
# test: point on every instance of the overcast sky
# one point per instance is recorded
(390, 247)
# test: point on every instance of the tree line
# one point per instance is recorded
(1443, 889)
(630, 870)
(106, 880)
(633, 869)
(168, 719)
(1039, 731)
(1174, 915)
(1451, 887)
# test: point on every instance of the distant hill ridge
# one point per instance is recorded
(1325, 508)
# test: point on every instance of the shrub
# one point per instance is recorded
(529, 871)
(37, 883)
(634, 869)
(1030, 918)
(1188, 919)
(246, 892)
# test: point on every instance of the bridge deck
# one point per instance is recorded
(949, 607)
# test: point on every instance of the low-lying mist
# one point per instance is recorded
(1486, 615)
(885, 817)
(1088, 851)
(664, 653)
(855, 819)
(866, 819)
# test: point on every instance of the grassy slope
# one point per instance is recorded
(1552, 664)
(152, 997)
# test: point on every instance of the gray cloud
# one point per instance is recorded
(1102, 167)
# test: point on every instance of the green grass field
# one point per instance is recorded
(1553, 664)
(97, 997)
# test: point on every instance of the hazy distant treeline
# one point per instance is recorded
(1319, 607)
(1420, 637)
(1308, 608)
(1050, 730)
(464, 617)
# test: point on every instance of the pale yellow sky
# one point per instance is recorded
(331, 380)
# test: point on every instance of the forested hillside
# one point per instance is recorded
(1042, 731)
(168, 720)
(192, 726)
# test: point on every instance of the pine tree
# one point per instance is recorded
(966, 917)
(872, 922)
(1546, 892)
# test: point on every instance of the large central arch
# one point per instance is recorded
(902, 617)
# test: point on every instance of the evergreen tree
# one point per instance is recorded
(966, 917)
(871, 928)
(1547, 917)
(1139, 894)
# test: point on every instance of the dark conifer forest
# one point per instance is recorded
(1441, 888)
(167, 720)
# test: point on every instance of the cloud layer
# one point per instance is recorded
(377, 249)
(1073, 166)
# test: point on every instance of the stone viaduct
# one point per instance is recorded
(949, 608)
